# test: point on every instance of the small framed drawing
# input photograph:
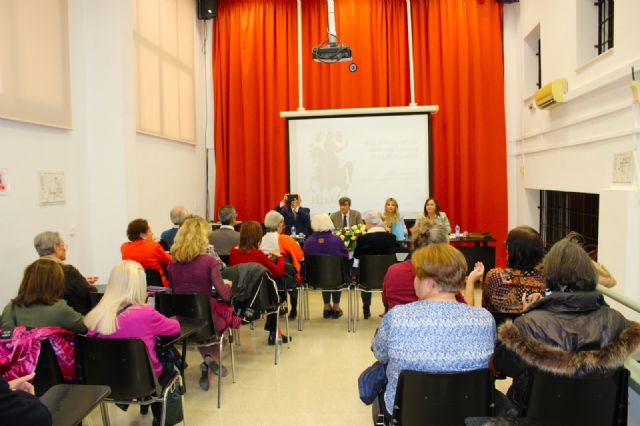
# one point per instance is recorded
(51, 187)
(623, 167)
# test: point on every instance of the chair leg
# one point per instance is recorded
(104, 412)
(302, 305)
(348, 309)
(220, 343)
(306, 304)
(233, 359)
(278, 338)
(286, 327)
(355, 313)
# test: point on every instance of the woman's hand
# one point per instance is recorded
(529, 300)
(228, 283)
(22, 384)
(478, 272)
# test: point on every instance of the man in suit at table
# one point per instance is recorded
(225, 237)
(345, 217)
(294, 214)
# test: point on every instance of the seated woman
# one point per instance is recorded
(39, 301)
(571, 332)
(397, 286)
(192, 270)
(393, 221)
(142, 249)
(431, 213)
(248, 251)
(375, 242)
(276, 240)
(122, 312)
(504, 287)
(605, 277)
(324, 243)
(418, 336)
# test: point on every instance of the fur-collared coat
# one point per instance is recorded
(567, 334)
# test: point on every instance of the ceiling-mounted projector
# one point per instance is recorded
(330, 53)
(331, 50)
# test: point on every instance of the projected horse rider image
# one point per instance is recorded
(331, 175)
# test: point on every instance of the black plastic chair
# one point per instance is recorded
(372, 271)
(48, 373)
(225, 258)
(594, 401)
(153, 277)
(125, 366)
(442, 399)
(95, 297)
(197, 306)
(323, 273)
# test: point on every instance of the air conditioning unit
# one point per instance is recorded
(551, 94)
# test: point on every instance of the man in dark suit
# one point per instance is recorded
(376, 241)
(345, 217)
(225, 237)
(294, 214)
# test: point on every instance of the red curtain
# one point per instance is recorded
(458, 66)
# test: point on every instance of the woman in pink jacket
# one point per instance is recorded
(122, 312)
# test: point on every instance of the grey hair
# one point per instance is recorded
(226, 214)
(321, 222)
(424, 233)
(178, 215)
(373, 217)
(273, 220)
(44, 242)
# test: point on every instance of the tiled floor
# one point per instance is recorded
(314, 384)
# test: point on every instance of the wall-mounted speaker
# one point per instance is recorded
(207, 9)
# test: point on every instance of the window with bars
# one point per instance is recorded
(605, 25)
(563, 212)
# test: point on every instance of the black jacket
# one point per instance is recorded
(77, 289)
(567, 334)
(375, 243)
(20, 408)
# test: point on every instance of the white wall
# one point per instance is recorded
(571, 147)
(112, 173)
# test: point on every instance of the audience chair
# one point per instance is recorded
(123, 365)
(594, 401)
(197, 306)
(281, 306)
(70, 404)
(322, 273)
(442, 399)
(225, 258)
(372, 271)
(48, 373)
(153, 277)
(95, 298)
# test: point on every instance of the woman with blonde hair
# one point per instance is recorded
(123, 313)
(393, 221)
(193, 271)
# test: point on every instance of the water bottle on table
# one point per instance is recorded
(457, 231)
(293, 231)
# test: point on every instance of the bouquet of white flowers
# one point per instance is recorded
(350, 235)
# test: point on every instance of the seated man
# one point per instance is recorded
(345, 217)
(49, 245)
(19, 406)
(225, 237)
(294, 214)
(178, 214)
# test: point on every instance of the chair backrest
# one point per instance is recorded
(197, 306)
(225, 258)
(324, 271)
(95, 298)
(601, 400)
(373, 268)
(153, 277)
(122, 364)
(48, 373)
(442, 398)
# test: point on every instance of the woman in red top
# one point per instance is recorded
(144, 250)
(248, 251)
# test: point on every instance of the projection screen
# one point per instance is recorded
(368, 155)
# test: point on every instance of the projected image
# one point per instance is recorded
(367, 158)
(331, 173)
